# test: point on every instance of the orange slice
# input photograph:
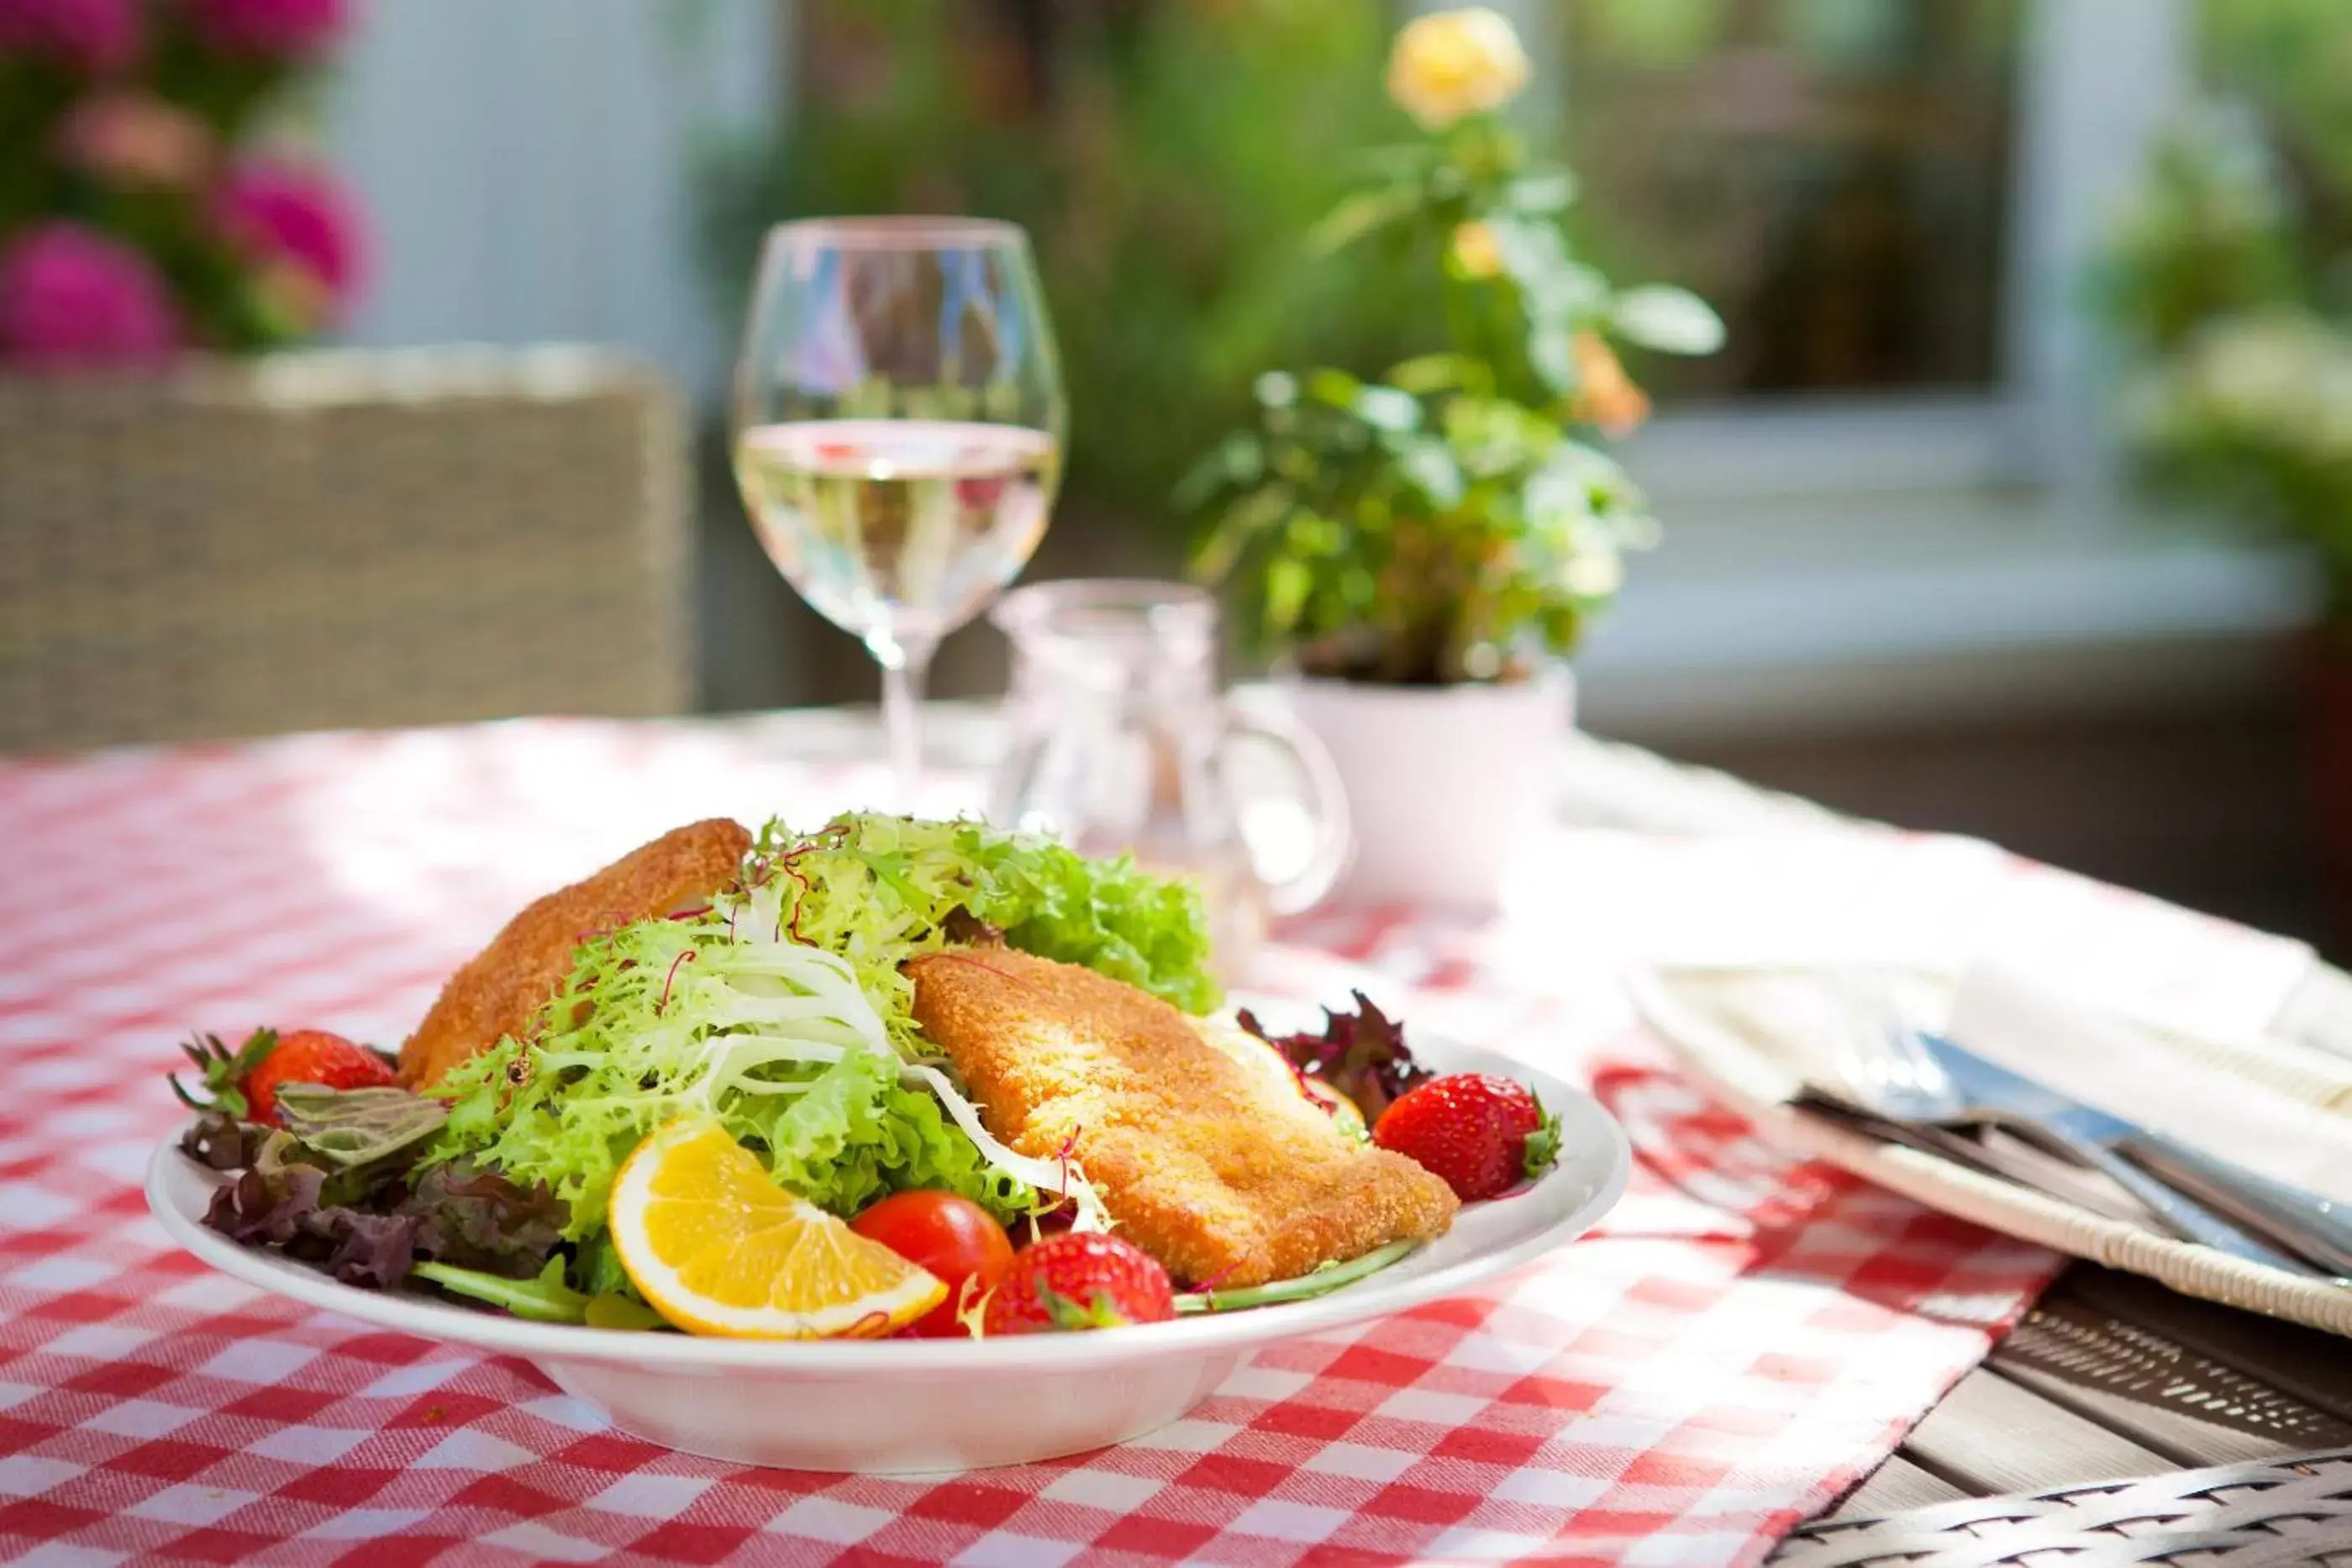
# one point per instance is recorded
(718, 1248)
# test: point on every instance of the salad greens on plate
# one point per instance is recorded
(778, 1012)
(782, 1012)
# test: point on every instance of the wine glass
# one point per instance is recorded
(898, 426)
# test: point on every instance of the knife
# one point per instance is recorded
(2302, 1223)
(2317, 1226)
(2028, 1163)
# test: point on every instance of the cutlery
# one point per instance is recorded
(2310, 1227)
(1927, 1137)
(1904, 1075)
(1987, 1149)
(2318, 1226)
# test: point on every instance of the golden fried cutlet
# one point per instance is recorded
(1220, 1172)
(500, 992)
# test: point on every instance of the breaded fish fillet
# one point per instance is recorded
(1221, 1173)
(500, 992)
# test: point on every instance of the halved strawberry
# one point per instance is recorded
(244, 1082)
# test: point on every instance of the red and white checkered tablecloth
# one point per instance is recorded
(1746, 1338)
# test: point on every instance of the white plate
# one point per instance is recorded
(915, 1406)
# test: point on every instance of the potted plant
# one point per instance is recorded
(2226, 284)
(1425, 550)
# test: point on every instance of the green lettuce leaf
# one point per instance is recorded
(783, 1012)
(858, 1134)
(548, 1298)
(878, 890)
(544, 1300)
(353, 1127)
(668, 1019)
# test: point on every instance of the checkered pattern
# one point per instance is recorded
(1744, 1340)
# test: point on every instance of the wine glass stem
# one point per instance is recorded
(902, 720)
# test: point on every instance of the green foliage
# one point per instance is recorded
(2292, 57)
(707, 1017)
(2210, 234)
(2253, 414)
(1413, 536)
(2229, 282)
(1449, 521)
(1163, 158)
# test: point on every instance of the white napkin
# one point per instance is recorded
(2282, 1110)
(1835, 895)
(1926, 904)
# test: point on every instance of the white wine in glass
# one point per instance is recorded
(899, 427)
(914, 524)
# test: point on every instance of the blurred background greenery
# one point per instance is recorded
(1900, 209)
(1974, 256)
(1833, 174)
(2231, 289)
(1166, 160)
(1899, 570)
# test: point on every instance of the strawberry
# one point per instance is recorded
(244, 1082)
(1079, 1279)
(1480, 1132)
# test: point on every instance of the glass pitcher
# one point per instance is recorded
(1123, 741)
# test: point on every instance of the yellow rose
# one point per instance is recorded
(1453, 63)
(1475, 253)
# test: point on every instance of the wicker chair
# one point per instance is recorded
(340, 540)
(2277, 1514)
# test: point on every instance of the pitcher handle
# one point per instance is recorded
(1326, 800)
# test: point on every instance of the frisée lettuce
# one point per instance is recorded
(781, 1011)
(877, 889)
(672, 1019)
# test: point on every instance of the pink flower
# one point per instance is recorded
(133, 138)
(296, 223)
(94, 35)
(71, 296)
(280, 29)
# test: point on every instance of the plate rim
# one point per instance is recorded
(1207, 1333)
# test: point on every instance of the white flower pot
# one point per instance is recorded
(1445, 784)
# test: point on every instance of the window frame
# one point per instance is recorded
(2098, 80)
(1860, 559)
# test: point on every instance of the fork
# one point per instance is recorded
(1888, 1072)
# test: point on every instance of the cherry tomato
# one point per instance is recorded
(952, 1236)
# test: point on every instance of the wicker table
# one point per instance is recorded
(2236, 1429)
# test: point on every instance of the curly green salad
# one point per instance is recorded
(779, 1013)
